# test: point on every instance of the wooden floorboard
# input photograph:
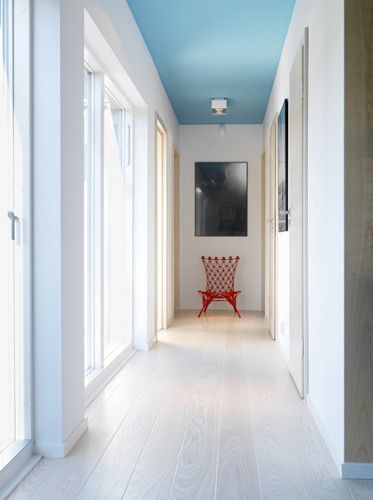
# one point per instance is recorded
(62, 479)
(360, 490)
(154, 473)
(210, 413)
(237, 474)
(195, 474)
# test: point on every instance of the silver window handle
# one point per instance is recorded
(13, 218)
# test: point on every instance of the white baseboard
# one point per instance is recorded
(352, 470)
(324, 434)
(282, 350)
(146, 346)
(61, 450)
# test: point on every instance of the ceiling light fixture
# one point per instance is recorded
(219, 107)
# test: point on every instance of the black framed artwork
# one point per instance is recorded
(283, 202)
(221, 199)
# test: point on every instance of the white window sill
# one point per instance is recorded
(96, 380)
(16, 461)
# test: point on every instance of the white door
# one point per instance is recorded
(271, 221)
(296, 218)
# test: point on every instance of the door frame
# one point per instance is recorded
(271, 228)
(268, 194)
(304, 44)
(264, 229)
(176, 232)
(161, 225)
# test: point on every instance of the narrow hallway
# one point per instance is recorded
(211, 412)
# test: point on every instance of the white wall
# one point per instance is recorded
(115, 21)
(283, 270)
(58, 154)
(203, 143)
(58, 225)
(325, 20)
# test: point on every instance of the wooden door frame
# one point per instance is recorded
(176, 233)
(271, 219)
(305, 43)
(163, 192)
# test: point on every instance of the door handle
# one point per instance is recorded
(13, 219)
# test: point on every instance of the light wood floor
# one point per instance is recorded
(210, 413)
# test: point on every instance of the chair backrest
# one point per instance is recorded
(220, 273)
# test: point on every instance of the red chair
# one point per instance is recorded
(220, 282)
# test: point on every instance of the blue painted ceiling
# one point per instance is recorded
(215, 48)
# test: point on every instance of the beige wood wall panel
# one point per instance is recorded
(359, 231)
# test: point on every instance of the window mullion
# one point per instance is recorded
(98, 245)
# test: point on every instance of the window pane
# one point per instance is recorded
(88, 222)
(7, 337)
(115, 330)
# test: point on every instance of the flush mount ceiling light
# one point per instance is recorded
(219, 107)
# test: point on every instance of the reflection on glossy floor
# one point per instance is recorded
(211, 412)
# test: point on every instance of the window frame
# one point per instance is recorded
(161, 224)
(6, 32)
(18, 35)
(103, 82)
(113, 99)
(89, 177)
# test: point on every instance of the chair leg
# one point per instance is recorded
(232, 302)
(201, 311)
(206, 303)
(204, 307)
(236, 310)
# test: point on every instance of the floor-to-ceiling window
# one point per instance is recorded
(14, 237)
(89, 347)
(115, 334)
(108, 219)
(7, 227)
